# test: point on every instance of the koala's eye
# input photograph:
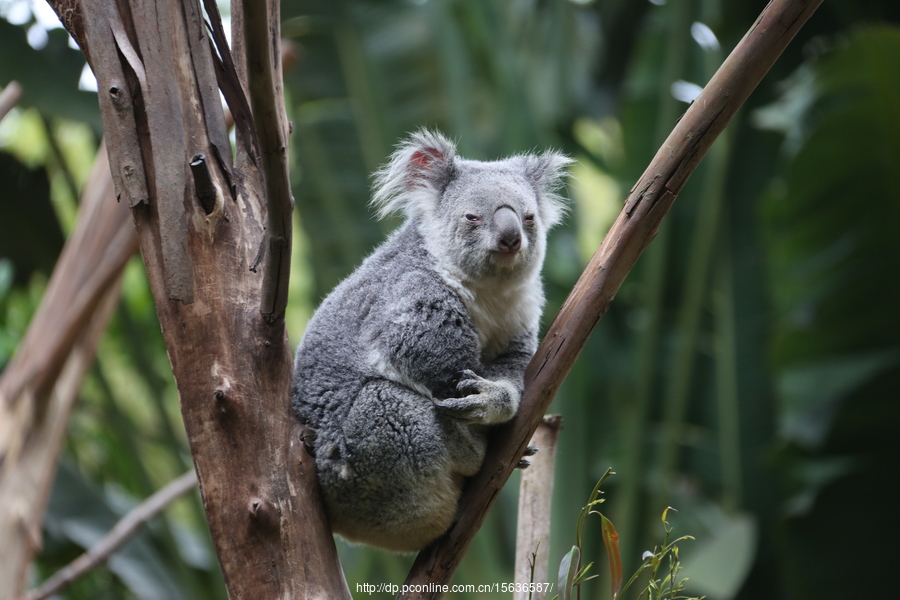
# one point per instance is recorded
(472, 218)
(529, 218)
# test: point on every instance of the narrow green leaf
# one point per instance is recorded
(568, 571)
(611, 540)
(581, 575)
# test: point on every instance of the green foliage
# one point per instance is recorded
(663, 561)
(79, 514)
(832, 248)
(8, 339)
(569, 575)
(663, 564)
(49, 76)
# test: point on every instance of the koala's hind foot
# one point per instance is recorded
(308, 439)
(524, 463)
(481, 400)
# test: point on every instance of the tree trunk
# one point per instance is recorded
(215, 237)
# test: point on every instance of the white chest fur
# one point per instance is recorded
(501, 312)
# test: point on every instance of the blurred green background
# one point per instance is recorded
(748, 373)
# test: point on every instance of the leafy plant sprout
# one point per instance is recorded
(663, 562)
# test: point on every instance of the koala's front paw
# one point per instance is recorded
(462, 409)
(481, 400)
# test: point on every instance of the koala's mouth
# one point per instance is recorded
(506, 261)
(503, 255)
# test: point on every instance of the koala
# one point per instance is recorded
(409, 361)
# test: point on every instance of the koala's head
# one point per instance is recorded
(481, 219)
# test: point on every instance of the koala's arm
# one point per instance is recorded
(423, 337)
(511, 363)
(495, 396)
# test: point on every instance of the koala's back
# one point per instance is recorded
(338, 352)
(384, 457)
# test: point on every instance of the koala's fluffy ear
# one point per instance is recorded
(547, 173)
(417, 173)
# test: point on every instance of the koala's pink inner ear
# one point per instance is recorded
(422, 159)
(421, 163)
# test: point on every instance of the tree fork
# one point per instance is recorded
(158, 72)
(634, 229)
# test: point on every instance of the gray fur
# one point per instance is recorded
(409, 360)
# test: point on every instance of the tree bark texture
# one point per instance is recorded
(39, 386)
(535, 504)
(205, 224)
(634, 229)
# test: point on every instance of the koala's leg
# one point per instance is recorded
(467, 445)
(394, 428)
(398, 478)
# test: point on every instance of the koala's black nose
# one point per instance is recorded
(507, 230)
(512, 243)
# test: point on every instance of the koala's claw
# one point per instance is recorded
(308, 439)
(479, 400)
(459, 376)
(529, 451)
(467, 383)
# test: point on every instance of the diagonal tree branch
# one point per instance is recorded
(635, 228)
(40, 385)
(9, 97)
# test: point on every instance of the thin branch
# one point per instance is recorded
(261, 27)
(118, 535)
(9, 97)
(229, 82)
(57, 155)
(635, 228)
